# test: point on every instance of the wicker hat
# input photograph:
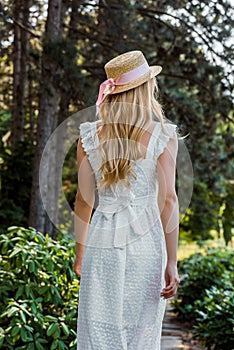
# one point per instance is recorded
(126, 72)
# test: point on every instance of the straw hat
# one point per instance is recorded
(127, 62)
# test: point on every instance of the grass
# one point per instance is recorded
(186, 249)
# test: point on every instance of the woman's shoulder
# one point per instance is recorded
(88, 123)
(167, 127)
(87, 126)
(166, 123)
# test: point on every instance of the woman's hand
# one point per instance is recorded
(172, 281)
(77, 265)
(78, 259)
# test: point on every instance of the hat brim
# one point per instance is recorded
(153, 71)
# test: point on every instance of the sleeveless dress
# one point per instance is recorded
(124, 259)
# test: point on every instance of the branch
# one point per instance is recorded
(4, 15)
(186, 78)
(22, 26)
(231, 120)
(157, 12)
(168, 26)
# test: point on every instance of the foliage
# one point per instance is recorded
(206, 294)
(215, 317)
(228, 213)
(203, 213)
(16, 178)
(198, 272)
(38, 291)
(69, 175)
(4, 122)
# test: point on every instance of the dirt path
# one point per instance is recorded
(175, 335)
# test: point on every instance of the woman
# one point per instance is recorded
(126, 255)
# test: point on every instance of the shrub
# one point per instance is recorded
(39, 291)
(198, 273)
(206, 296)
(215, 320)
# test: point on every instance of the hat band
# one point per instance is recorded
(108, 86)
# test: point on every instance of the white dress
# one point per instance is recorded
(124, 260)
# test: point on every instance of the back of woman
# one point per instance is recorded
(126, 253)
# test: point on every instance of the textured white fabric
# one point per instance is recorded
(124, 260)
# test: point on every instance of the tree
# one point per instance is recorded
(48, 110)
(20, 68)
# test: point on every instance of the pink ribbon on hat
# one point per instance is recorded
(105, 89)
(109, 85)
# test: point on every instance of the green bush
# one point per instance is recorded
(206, 296)
(39, 291)
(215, 320)
(198, 273)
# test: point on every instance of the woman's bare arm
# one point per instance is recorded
(83, 203)
(169, 210)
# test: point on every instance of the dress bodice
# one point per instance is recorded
(136, 207)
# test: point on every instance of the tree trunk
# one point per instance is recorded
(48, 111)
(20, 69)
(65, 99)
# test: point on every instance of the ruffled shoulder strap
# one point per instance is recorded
(164, 138)
(87, 130)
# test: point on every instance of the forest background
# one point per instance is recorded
(52, 55)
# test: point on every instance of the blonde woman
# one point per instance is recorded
(126, 254)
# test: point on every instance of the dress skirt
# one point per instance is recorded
(120, 307)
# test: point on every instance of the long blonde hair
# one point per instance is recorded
(124, 118)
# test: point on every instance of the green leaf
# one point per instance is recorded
(23, 334)
(40, 239)
(38, 345)
(31, 266)
(13, 229)
(39, 300)
(61, 345)
(50, 318)
(56, 334)
(27, 290)
(42, 341)
(72, 343)
(65, 328)
(19, 292)
(33, 308)
(15, 331)
(15, 252)
(47, 297)
(25, 310)
(31, 346)
(2, 338)
(13, 310)
(43, 289)
(30, 329)
(4, 248)
(71, 314)
(54, 345)
(52, 329)
(23, 316)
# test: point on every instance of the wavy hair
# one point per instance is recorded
(124, 118)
